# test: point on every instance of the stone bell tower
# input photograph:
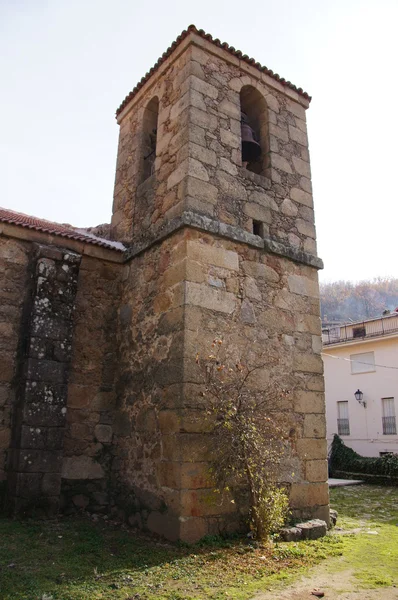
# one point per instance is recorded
(214, 239)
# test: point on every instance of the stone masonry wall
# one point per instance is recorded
(39, 411)
(91, 417)
(266, 308)
(14, 279)
(72, 430)
(150, 371)
(179, 295)
(213, 270)
(139, 207)
(199, 158)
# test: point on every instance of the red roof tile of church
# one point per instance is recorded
(216, 42)
(66, 231)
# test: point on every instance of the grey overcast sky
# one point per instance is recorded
(66, 65)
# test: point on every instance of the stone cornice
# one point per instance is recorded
(230, 232)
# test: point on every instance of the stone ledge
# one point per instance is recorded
(289, 252)
(192, 219)
(310, 530)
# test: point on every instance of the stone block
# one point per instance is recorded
(310, 246)
(80, 501)
(278, 132)
(39, 461)
(81, 467)
(203, 154)
(7, 368)
(205, 502)
(296, 109)
(302, 197)
(197, 135)
(231, 109)
(290, 534)
(195, 476)
(203, 87)
(46, 370)
(251, 289)
(305, 495)
(103, 401)
(312, 449)
(103, 433)
(197, 169)
(310, 363)
(297, 135)
(180, 106)
(33, 437)
(280, 321)
(314, 426)
(213, 255)
(208, 297)
(309, 401)
(309, 324)
(122, 423)
(5, 394)
(281, 163)
(203, 119)
(258, 270)
(168, 474)
(288, 208)
(230, 186)
(312, 530)
(37, 414)
(333, 517)
(5, 437)
(229, 139)
(25, 485)
(178, 175)
(306, 228)
(316, 470)
(302, 167)
(299, 284)
(202, 190)
(80, 396)
(257, 212)
(188, 447)
(193, 529)
(51, 484)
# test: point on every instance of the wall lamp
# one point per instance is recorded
(359, 396)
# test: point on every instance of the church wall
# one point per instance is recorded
(79, 371)
(140, 205)
(150, 375)
(265, 308)
(14, 278)
(90, 417)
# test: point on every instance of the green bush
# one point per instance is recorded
(342, 458)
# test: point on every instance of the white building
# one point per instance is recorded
(361, 384)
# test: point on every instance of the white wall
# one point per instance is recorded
(366, 430)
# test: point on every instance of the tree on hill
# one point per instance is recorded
(342, 301)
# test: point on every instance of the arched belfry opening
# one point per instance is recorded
(254, 127)
(149, 138)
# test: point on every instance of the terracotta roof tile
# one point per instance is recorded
(216, 42)
(66, 231)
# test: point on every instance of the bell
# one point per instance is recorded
(251, 149)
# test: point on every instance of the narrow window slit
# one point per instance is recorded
(258, 228)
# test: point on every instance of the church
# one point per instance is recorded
(212, 235)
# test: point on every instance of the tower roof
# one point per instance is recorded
(219, 44)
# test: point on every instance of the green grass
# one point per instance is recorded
(372, 552)
(76, 559)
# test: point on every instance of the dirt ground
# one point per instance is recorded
(340, 585)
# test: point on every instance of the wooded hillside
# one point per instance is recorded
(344, 300)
